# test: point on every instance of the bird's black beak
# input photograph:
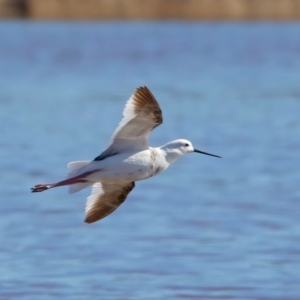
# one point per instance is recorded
(198, 151)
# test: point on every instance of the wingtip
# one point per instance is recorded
(90, 220)
(142, 88)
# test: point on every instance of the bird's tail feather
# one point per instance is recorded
(73, 188)
(76, 167)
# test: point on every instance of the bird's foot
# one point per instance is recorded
(40, 188)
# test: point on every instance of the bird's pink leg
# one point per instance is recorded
(77, 179)
(43, 187)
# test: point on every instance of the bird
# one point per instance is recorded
(127, 158)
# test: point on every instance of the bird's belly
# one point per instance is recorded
(141, 172)
(133, 172)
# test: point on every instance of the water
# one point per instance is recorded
(207, 228)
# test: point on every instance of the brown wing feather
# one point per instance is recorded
(146, 104)
(105, 198)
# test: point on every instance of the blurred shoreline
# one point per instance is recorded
(152, 9)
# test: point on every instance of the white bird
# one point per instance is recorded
(127, 158)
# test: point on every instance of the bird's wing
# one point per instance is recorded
(141, 115)
(105, 198)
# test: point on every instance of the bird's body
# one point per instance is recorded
(127, 166)
(128, 158)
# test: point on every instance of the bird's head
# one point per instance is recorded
(180, 147)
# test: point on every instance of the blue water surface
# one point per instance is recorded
(206, 228)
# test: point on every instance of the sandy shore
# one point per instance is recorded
(153, 9)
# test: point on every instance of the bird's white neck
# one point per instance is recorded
(171, 154)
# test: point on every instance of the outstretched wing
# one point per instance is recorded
(141, 115)
(105, 198)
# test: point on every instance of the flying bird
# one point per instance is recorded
(127, 158)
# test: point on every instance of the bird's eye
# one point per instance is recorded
(186, 145)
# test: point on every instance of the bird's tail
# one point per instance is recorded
(76, 187)
(75, 169)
